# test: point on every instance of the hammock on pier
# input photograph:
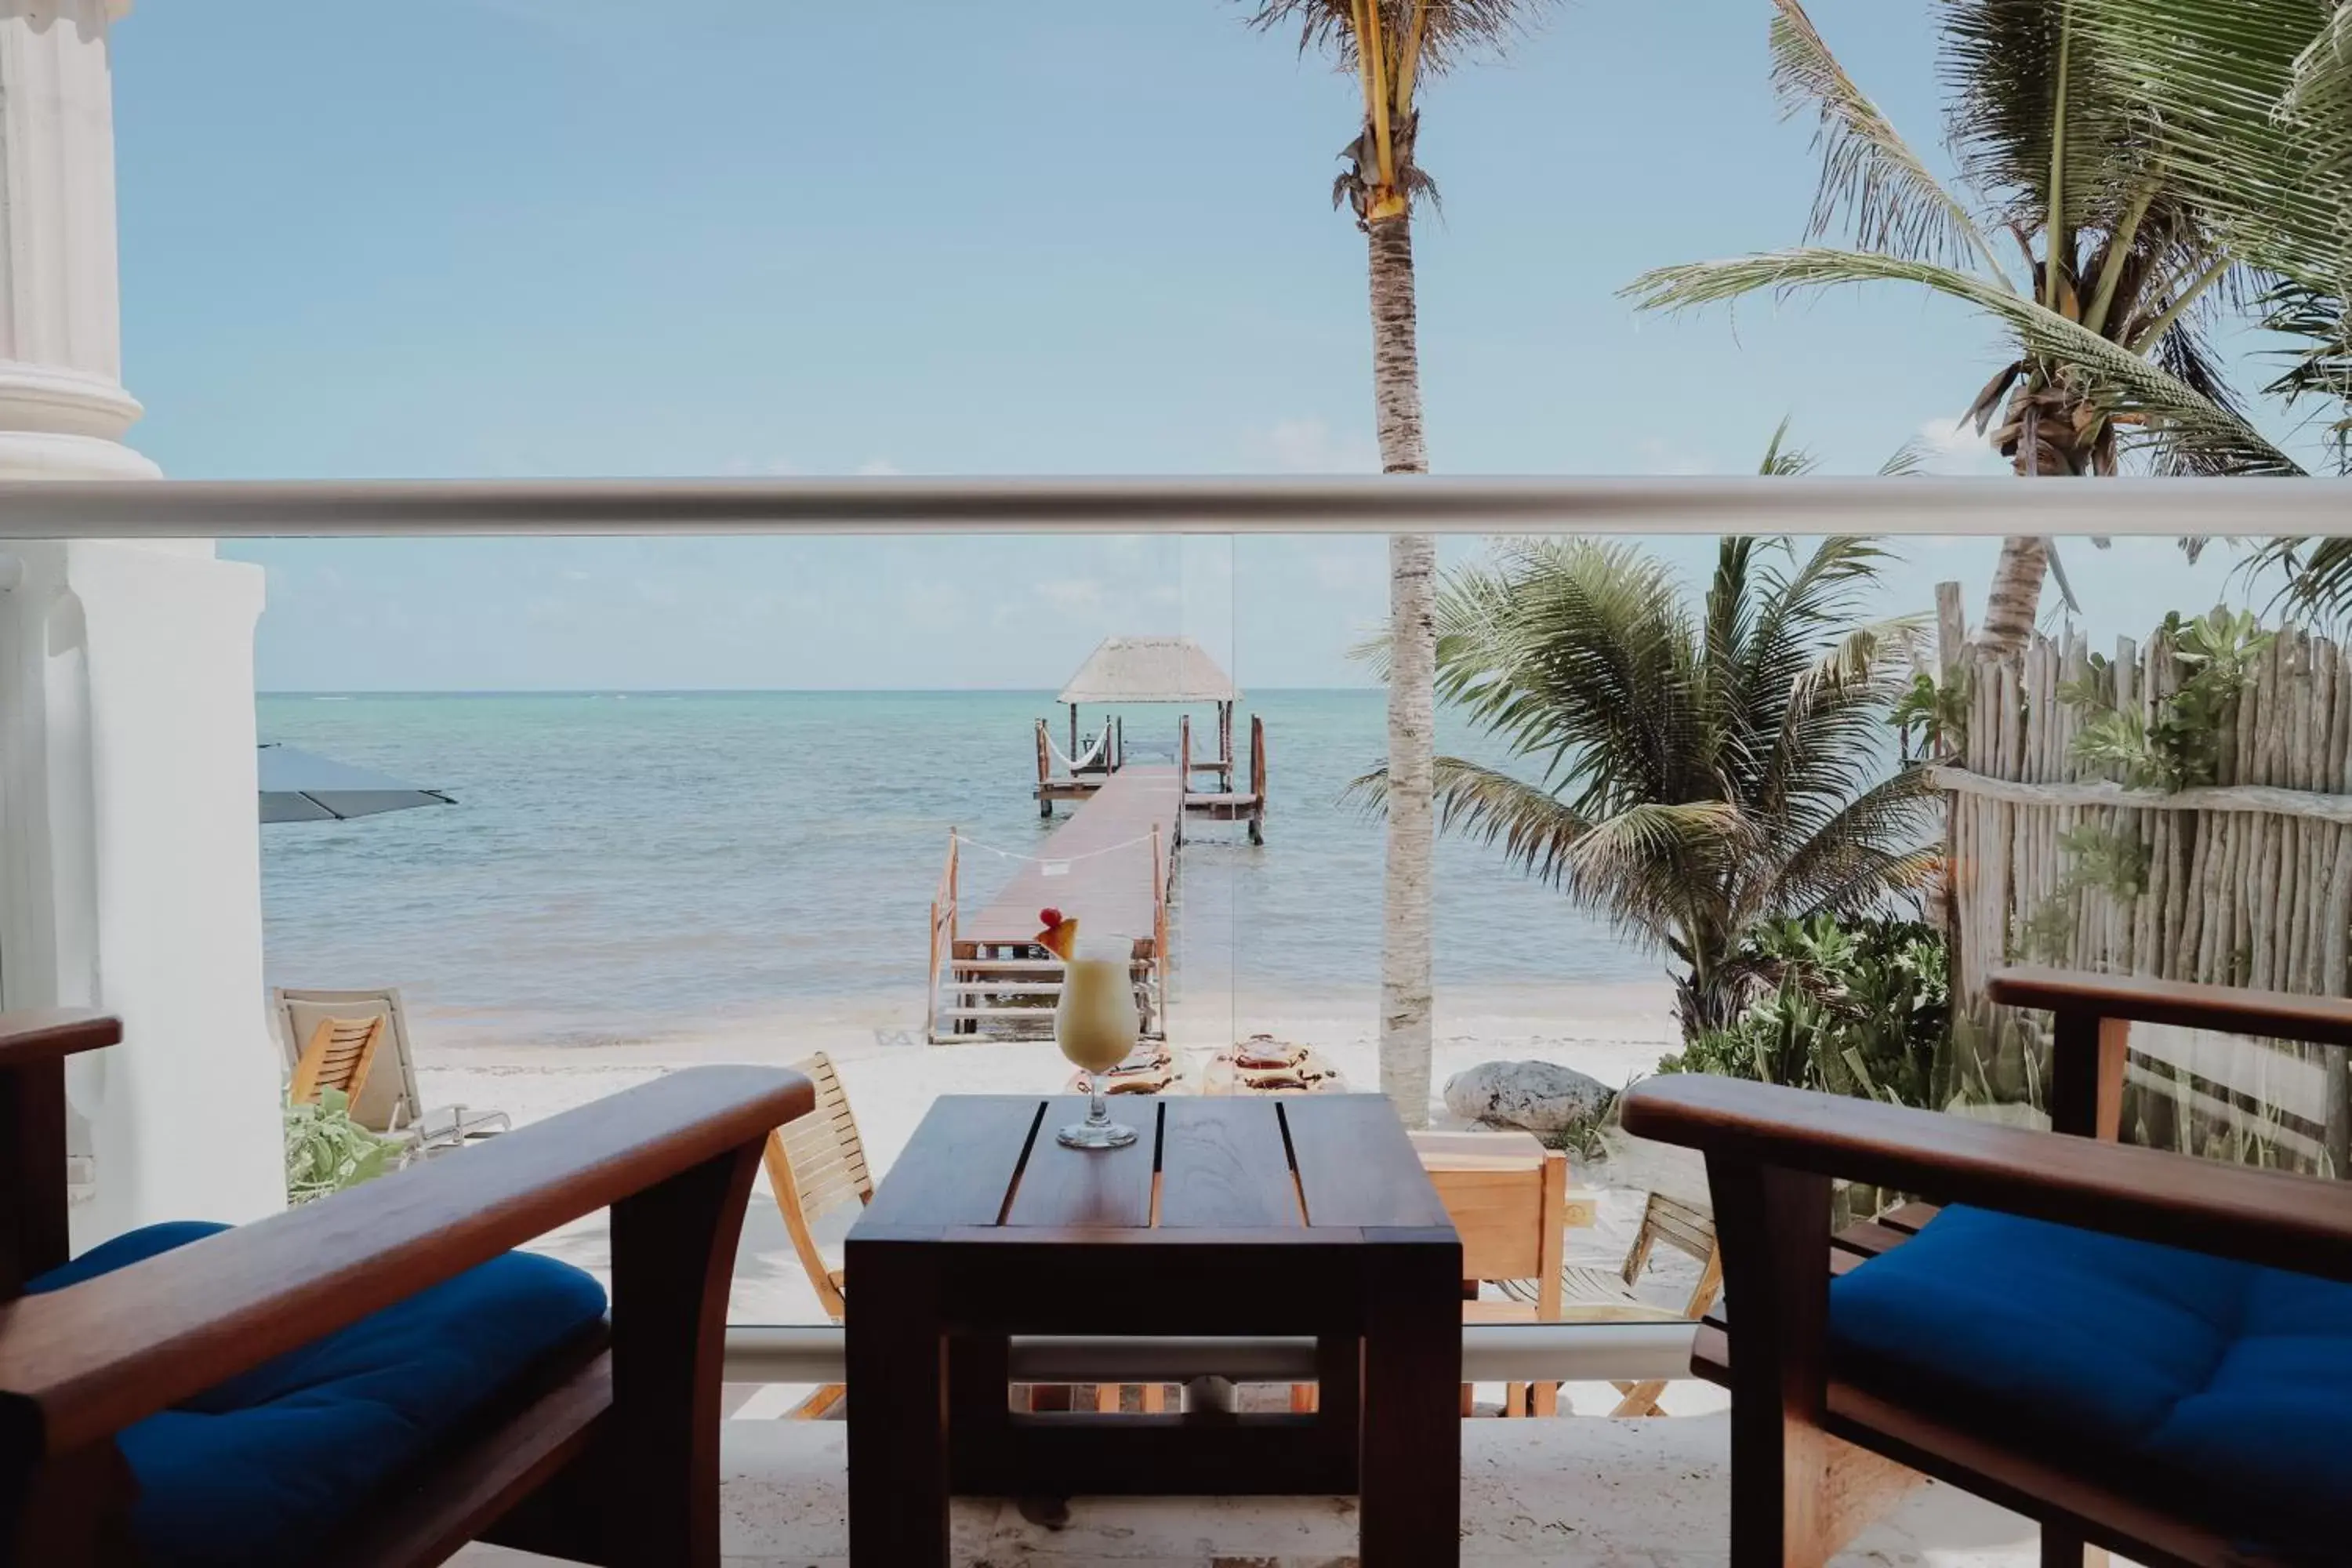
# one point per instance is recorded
(1091, 757)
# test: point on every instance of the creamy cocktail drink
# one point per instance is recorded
(1094, 1023)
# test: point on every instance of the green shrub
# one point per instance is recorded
(326, 1151)
(1859, 1006)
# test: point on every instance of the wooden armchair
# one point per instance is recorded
(2188, 1402)
(600, 1447)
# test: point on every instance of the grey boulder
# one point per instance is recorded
(1541, 1097)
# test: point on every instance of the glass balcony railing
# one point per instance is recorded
(821, 781)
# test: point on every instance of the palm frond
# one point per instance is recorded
(1909, 458)
(2321, 368)
(1872, 845)
(2317, 575)
(2245, 103)
(1453, 32)
(1868, 171)
(2037, 109)
(2120, 382)
(1782, 461)
(1634, 867)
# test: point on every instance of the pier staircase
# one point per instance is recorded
(1014, 999)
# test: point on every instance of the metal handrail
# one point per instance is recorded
(209, 509)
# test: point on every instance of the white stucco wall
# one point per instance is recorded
(129, 855)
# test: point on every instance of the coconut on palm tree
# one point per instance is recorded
(1699, 769)
(1390, 47)
(2116, 257)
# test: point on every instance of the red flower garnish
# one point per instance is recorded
(1049, 916)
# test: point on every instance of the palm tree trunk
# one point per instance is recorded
(2040, 438)
(2016, 594)
(1405, 932)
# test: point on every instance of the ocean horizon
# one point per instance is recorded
(627, 864)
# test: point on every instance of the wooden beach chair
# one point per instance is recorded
(1507, 1196)
(816, 1167)
(2143, 1352)
(377, 1378)
(1593, 1295)
(389, 1103)
(339, 1056)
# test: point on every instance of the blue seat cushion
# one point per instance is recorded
(261, 1468)
(2219, 1391)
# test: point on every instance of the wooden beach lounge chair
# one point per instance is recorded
(1592, 1295)
(390, 1103)
(2143, 1352)
(340, 1053)
(375, 1379)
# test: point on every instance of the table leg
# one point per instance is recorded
(898, 1409)
(1411, 1512)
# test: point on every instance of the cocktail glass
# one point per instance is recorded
(1096, 1024)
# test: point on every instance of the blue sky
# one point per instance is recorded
(541, 237)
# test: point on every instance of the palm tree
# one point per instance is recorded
(1390, 47)
(2117, 255)
(1704, 769)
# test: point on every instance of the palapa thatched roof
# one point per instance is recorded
(1149, 669)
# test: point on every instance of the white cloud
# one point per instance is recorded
(1953, 446)
(878, 469)
(1310, 447)
(1069, 594)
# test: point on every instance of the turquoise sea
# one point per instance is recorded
(622, 866)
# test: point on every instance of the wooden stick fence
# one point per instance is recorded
(2246, 880)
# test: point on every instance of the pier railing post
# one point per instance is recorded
(1160, 924)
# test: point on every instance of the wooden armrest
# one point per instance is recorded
(2296, 1223)
(89, 1360)
(49, 1034)
(2273, 1014)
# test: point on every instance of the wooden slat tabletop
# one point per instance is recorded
(959, 1165)
(1356, 1165)
(1085, 1187)
(1326, 1163)
(1222, 1165)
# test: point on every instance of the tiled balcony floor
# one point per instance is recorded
(1580, 1492)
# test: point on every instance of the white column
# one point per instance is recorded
(130, 856)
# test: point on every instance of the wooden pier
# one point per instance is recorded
(1112, 863)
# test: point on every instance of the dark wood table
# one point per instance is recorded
(1302, 1215)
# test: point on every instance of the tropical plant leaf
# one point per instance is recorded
(1868, 172)
(2119, 382)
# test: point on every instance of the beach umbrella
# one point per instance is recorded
(302, 787)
